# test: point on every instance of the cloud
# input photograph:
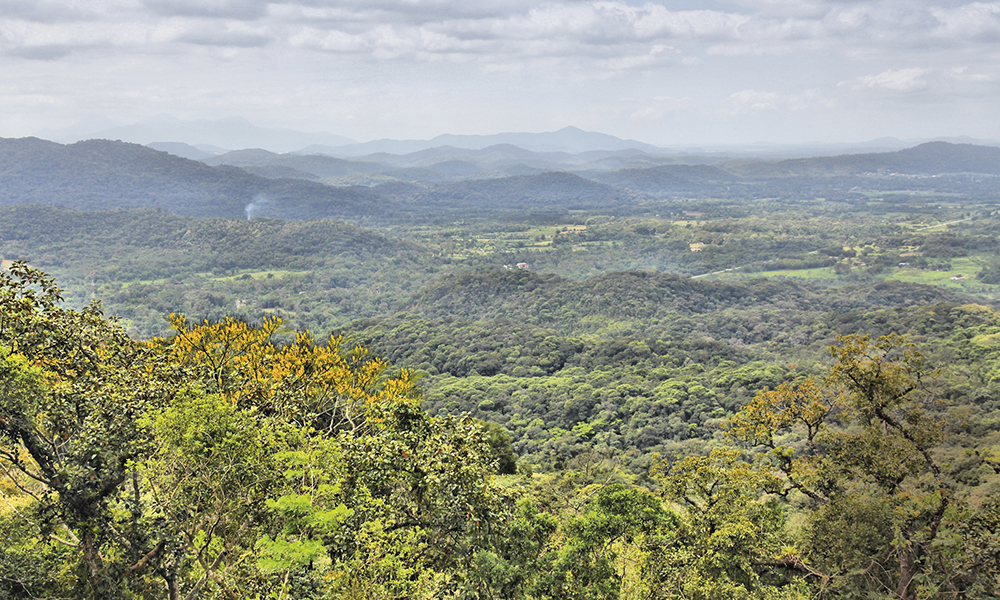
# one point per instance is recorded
(962, 74)
(735, 57)
(45, 52)
(659, 107)
(246, 10)
(49, 11)
(601, 38)
(901, 80)
(613, 35)
(235, 39)
(751, 101)
(977, 21)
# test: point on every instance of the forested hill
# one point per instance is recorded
(646, 302)
(108, 175)
(673, 179)
(931, 158)
(638, 363)
(934, 166)
(526, 192)
(258, 243)
(314, 164)
(147, 263)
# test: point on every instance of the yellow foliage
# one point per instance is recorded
(774, 411)
(311, 383)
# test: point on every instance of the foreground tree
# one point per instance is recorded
(730, 542)
(860, 447)
(224, 463)
(73, 391)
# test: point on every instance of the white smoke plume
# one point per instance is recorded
(254, 208)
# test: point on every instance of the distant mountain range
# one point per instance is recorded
(448, 182)
(445, 163)
(931, 158)
(568, 139)
(107, 175)
(206, 134)
(202, 138)
(216, 136)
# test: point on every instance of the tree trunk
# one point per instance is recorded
(91, 556)
(907, 571)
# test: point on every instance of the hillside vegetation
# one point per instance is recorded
(768, 380)
(219, 459)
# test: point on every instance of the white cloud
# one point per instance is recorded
(900, 80)
(616, 33)
(659, 107)
(227, 38)
(41, 52)
(973, 21)
(227, 9)
(963, 74)
(752, 100)
(734, 57)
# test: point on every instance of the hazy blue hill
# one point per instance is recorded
(931, 158)
(496, 156)
(456, 168)
(943, 157)
(180, 149)
(568, 139)
(232, 132)
(106, 175)
(277, 172)
(399, 188)
(668, 179)
(444, 171)
(102, 175)
(545, 190)
(297, 199)
(501, 156)
(519, 169)
(317, 164)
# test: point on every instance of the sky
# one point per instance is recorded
(668, 73)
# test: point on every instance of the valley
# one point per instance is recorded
(598, 320)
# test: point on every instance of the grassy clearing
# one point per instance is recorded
(278, 274)
(459, 244)
(274, 273)
(964, 267)
(741, 275)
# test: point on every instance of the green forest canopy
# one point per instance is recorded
(222, 461)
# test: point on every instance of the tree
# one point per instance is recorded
(730, 542)
(604, 544)
(860, 446)
(205, 485)
(74, 391)
(301, 381)
(510, 570)
(223, 463)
